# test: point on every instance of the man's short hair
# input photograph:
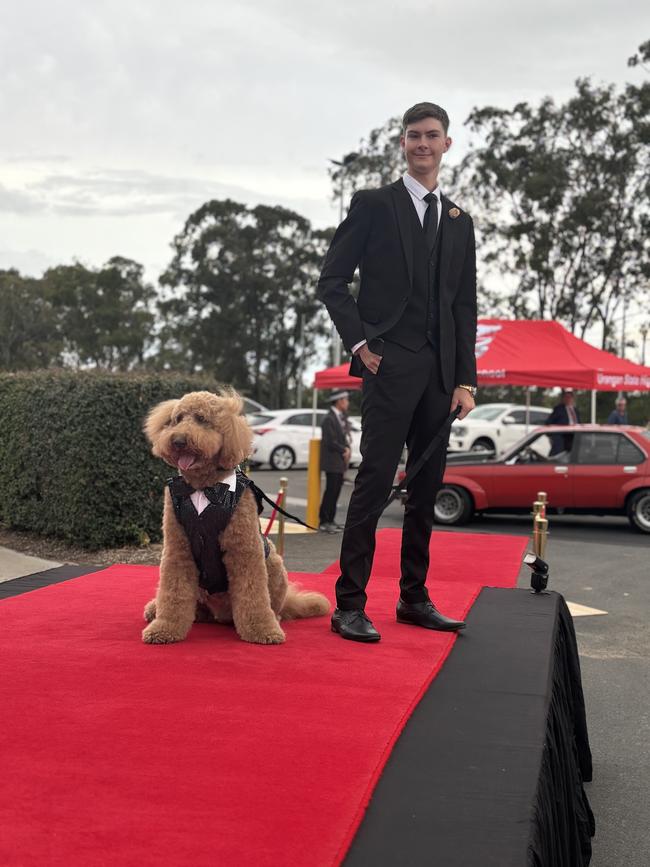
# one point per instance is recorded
(421, 110)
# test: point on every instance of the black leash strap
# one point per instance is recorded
(441, 436)
(271, 502)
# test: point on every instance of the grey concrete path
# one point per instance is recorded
(15, 565)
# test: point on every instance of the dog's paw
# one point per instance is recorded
(270, 635)
(160, 632)
(150, 611)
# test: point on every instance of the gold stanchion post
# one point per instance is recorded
(540, 536)
(535, 560)
(540, 524)
(284, 481)
(313, 483)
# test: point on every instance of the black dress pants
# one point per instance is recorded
(333, 483)
(403, 403)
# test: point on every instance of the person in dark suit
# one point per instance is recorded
(565, 412)
(412, 333)
(334, 457)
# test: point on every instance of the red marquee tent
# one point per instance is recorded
(532, 352)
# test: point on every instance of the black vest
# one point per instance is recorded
(420, 321)
(203, 530)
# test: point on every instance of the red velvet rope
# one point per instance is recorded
(278, 502)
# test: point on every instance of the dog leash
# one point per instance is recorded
(443, 432)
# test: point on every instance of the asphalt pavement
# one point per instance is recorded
(597, 562)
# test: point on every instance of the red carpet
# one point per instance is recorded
(208, 752)
(485, 559)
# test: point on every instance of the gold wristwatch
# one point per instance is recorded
(471, 388)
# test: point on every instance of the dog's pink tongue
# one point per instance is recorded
(185, 461)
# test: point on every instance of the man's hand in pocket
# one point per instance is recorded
(370, 359)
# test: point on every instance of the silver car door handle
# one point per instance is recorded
(629, 469)
(561, 469)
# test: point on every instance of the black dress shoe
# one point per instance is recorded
(426, 614)
(354, 625)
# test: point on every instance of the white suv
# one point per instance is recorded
(494, 427)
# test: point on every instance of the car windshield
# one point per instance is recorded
(551, 448)
(252, 406)
(488, 412)
(258, 419)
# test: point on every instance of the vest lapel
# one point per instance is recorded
(449, 234)
(403, 208)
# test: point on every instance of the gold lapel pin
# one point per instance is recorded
(453, 213)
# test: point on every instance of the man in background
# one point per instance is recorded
(565, 412)
(334, 458)
(619, 414)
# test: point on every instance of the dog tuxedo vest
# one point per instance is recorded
(204, 528)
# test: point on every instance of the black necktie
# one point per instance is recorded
(430, 224)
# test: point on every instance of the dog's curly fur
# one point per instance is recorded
(206, 437)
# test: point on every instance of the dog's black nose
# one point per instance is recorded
(179, 442)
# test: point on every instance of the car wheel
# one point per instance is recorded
(638, 510)
(453, 505)
(483, 444)
(282, 458)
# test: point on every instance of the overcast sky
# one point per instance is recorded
(120, 118)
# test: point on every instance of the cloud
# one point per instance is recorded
(124, 117)
(18, 202)
(28, 262)
(132, 192)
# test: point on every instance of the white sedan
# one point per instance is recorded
(495, 427)
(282, 437)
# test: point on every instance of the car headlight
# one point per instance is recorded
(459, 430)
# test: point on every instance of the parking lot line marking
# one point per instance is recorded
(583, 610)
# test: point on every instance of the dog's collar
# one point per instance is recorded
(231, 481)
(185, 489)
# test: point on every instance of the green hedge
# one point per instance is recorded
(74, 462)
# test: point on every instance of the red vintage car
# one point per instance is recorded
(588, 469)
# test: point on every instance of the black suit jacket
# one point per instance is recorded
(333, 443)
(561, 416)
(377, 236)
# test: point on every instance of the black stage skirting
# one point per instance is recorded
(490, 768)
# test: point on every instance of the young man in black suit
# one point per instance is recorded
(412, 332)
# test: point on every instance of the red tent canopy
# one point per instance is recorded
(532, 352)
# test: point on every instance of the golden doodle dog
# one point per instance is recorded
(215, 565)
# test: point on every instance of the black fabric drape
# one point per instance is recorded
(562, 823)
(489, 770)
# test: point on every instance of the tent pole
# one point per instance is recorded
(593, 406)
(527, 407)
(314, 407)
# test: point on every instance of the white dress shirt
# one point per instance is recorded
(417, 193)
(343, 422)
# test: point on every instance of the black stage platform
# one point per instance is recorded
(490, 767)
